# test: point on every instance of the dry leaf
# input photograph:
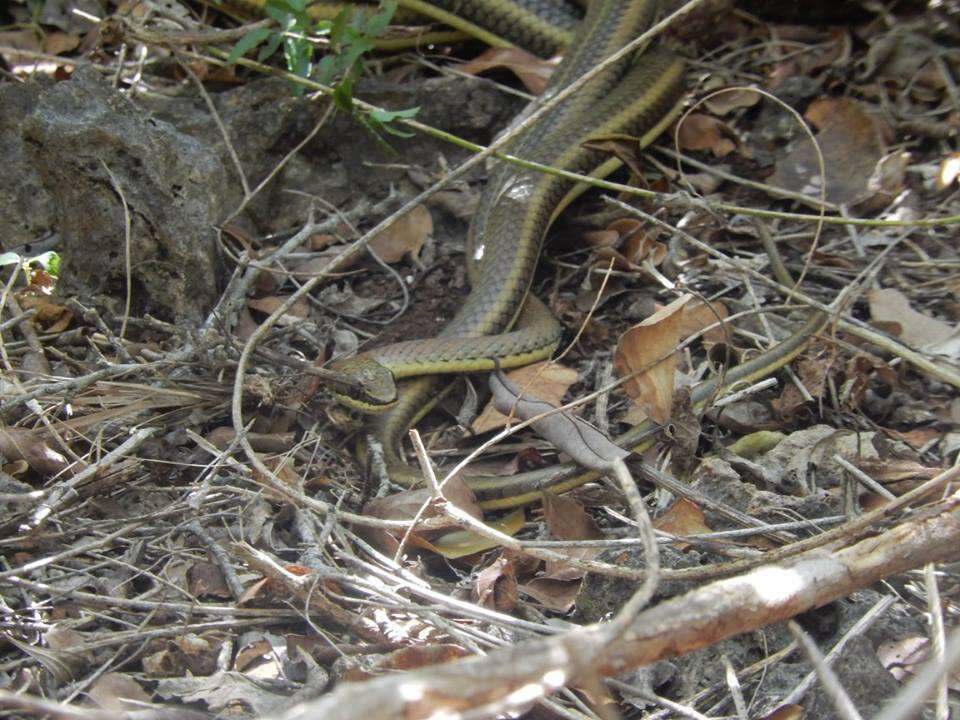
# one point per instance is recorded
(547, 381)
(724, 101)
(683, 517)
(558, 595)
(205, 579)
(23, 444)
(406, 235)
(705, 132)
(658, 337)
(496, 585)
(903, 657)
(786, 712)
(949, 171)
(118, 692)
(533, 72)
(268, 305)
(852, 142)
(917, 330)
(567, 520)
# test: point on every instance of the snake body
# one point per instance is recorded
(501, 324)
(518, 206)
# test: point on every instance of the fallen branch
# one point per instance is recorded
(515, 677)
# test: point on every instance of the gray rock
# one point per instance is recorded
(80, 132)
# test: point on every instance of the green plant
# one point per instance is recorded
(350, 36)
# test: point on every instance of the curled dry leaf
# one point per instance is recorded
(533, 72)
(628, 245)
(496, 585)
(547, 381)
(51, 315)
(649, 350)
(406, 235)
(23, 444)
(904, 657)
(705, 132)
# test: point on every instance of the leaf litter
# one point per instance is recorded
(124, 587)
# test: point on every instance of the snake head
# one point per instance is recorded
(371, 387)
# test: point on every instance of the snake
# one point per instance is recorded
(501, 324)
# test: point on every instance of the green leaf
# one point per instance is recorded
(352, 53)
(279, 14)
(49, 261)
(343, 94)
(386, 116)
(339, 23)
(299, 6)
(326, 69)
(271, 47)
(381, 19)
(249, 41)
(373, 128)
(393, 130)
(322, 27)
(285, 6)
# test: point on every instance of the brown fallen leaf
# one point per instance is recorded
(533, 72)
(723, 101)
(408, 658)
(300, 310)
(51, 315)
(683, 517)
(406, 235)
(852, 141)
(27, 445)
(558, 595)
(496, 585)
(658, 337)
(547, 381)
(567, 520)
(786, 712)
(917, 330)
(118, 692)
(705, 132)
